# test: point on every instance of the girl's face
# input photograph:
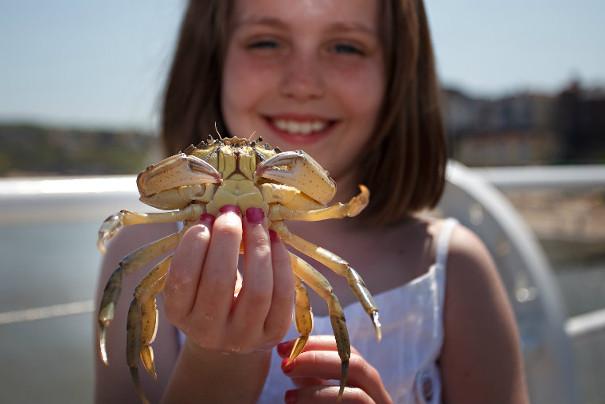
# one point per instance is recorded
(305, 74)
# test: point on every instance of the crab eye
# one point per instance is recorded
(259, 157)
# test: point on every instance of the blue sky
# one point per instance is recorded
(102, 63)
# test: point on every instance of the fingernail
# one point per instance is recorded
(287, 365)
(255, 215)
(207, 219)
(291, 397)
(284, 348)
(273, 235)
(231, 208)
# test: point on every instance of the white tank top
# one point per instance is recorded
(412, 336)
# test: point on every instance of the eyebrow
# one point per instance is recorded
(263, 20)
(352, 26)
(340, 26)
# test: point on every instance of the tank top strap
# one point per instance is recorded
(443, 242)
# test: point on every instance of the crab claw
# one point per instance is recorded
(298, 169)
(173, 172)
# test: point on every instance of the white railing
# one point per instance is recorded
(563, 178)
(544, 177)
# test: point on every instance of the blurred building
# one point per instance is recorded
(526, 128)
(581, 122)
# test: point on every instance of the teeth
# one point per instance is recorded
(300, 128)
(317, 126)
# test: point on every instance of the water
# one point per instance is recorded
(46, 264)
(47, 361)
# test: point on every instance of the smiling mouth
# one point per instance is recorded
(301, 126)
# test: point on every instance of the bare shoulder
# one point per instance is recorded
(470, 265)
(481, 357)
(474, 289)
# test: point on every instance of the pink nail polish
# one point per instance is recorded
(273, 235)
(207, 219)
(284, 348)
(291, 397)
(231, 208)
(255, 215)
(287, 365)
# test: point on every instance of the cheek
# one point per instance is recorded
(245, 74)
(363, 99)
(360, 91)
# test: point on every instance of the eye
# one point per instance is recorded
(347, 49)
(263, 44)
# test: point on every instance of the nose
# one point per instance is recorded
(302, 78)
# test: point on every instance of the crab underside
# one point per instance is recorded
(232, 171)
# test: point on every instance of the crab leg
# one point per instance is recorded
(132, 263)
(336, 264)
(303, 317)
(322, 287)
(112, 225)
(133, 345)
(146, 293)
(142, 323)
(336, 211)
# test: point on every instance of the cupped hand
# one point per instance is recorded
(316, 372)
(204, 298)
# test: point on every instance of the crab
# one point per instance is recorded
(288, 186)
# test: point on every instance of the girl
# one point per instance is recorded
(352, 83)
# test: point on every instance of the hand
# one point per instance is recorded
(319, 363)
(201, 292)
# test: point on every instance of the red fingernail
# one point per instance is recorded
(284, 348)
(231, 208)
(291, 397)
(255, 215)
(207, 219)
(273, 235)
(287, 365)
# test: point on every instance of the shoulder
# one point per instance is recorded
(481, 341)
(473, 286)
(470, 265)
(474, 290)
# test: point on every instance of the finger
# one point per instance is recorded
(215, 293)
(327, 394)
(327, 365)
(185, 271)
(282, 302)
(254, 299)
(308, 381)
(315, 343)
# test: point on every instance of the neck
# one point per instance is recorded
(346, 186)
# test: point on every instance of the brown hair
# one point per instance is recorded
(405, 163)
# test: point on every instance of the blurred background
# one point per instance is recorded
(524, 106)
